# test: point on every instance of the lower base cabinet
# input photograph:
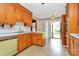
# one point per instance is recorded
(26, 40)
(73, 46)
(68, 44)
(21, 42)
(38, 39)
(76, 47)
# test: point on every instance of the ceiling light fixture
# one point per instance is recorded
(42, 3)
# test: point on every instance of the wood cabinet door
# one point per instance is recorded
(21, 42)
(2, 13)
(38, 39)
(28, 40)
(25, 18)
(19, 15)
(76, 47)
(29, 19)
(63, 30)
(10, 14)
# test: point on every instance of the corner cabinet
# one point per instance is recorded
(38, 39)
(26, 40)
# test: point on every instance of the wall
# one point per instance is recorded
(17, 27)
(41, 25)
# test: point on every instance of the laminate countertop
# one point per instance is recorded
(6, 36)
(75, 35)
(11, 35)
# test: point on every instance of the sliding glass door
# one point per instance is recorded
(55, 29)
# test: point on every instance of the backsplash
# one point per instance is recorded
(16, 28)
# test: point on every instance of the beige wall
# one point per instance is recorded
(41, 26)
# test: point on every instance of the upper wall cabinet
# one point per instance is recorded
(19, 15)
(23, 15)
(2, 13)
(72, 12)
(10, 13)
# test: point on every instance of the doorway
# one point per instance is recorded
(55, 29)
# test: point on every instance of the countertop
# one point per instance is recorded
(4, 36)
(75, 35)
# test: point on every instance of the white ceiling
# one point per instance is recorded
(45, 11)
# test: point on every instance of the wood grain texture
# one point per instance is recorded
(10, 13)
(26, 40)
(63, 29)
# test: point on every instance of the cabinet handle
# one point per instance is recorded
(24, 37)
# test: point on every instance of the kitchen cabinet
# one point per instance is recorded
(76, 47)
(10, 14)
(68, 44)
(29, 19)
(72, 13)
(28, 40)
(21, 42)
(38, 39)
(19, 15)
(26, 15)
(2, 13)
(63, 30)
(67, 10)
(72, 45)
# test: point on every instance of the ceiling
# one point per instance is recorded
(45, 11)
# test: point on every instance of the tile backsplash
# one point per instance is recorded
(16, 28)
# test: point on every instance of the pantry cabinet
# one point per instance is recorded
(63, 29)
(72, 12)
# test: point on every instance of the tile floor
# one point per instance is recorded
(53, 48)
